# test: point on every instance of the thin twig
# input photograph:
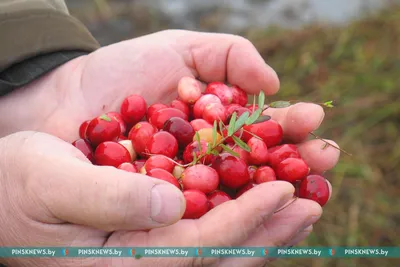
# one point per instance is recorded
(287, 205)
(328, 144)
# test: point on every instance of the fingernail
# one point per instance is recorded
(167, 203)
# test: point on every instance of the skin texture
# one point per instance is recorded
(58, 199)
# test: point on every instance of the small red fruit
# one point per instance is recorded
(279, 153)
(161, 116)
(199, 124)
(221, 90)
(102, 129)
(214, 112)
(239, 96)
(259, 152)
(82, 129)
(264, 174)
(153, 108)
(111, 154)
(244, 189)
(217, 198)
(129, 167)
(239, 112)
(232, 170)
(196, 204)
(292, 170)
(133, 109)
(159, 162)
(85, 147)
(179, 104)
(269, 131)
(316, 188)
(162, 143)
(194, 147)
(189, 90)
(164, 175)
(181, 129)
(201, 104)
(200, 177)
(116, 116)
(140, 135)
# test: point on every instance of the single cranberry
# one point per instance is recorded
(196, 204)
(111, 154)
(200, 105)
(159, 162)
(85, 147)
(133, 109)
(279, 153)
(239, 96)
(269, 131)
(181, 129)
(292, 170)
(129, 167)
(217, 197)
(194, 148)
(259, 152)
(315, 187)
(116, 116)
(159, 117)
(162, 143)
(189, 90)
(221, 90)
(199, 124)
(140, 135)
(164, 175)
(102, 129)
(232, 170)
(82, 129)
(200, 177)
(264, 174)
(214, 112)
(179, 104)
(153, 108)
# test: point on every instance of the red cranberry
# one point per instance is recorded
(259, 151)
(102, 129)
(221, 90)
(316, 188)
(85, 147)
(162, 143)
(199, 124)
(116, 116)
(129, 167)
(153, 108)
(214, 112)
(244, 189)
(200, 177)
(269, 131)
(111, 154)
(201, 104)
(133, 109)
(179, 104)
(181, 130)
(279, 153)
(159, 117)
(82, 129)
(239, 96)
(292, 170)
(189, 90)
(192, 148)
(159, 162)
(232, 170)
(264, 174)
(140, 135)
(196, 204)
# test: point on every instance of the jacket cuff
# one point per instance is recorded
(43, 39)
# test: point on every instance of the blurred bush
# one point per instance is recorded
(358, 67)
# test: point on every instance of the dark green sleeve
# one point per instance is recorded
(36, 36)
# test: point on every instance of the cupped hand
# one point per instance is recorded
(67, 201)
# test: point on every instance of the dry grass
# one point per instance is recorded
(358, 67)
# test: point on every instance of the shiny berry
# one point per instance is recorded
(102, 129)
(269, 131)
(199, 124)
(196, 204)
(111, 154)
(153, 108)
(264, 174)
(292, 170)
(162, 143)
(279, 153)
(221, 90)
(133, 109)
(181, 129)
(200, 105)
(140, 134)
(214, 112)
(232, 170)
(82, 129)
(239, 96)
(116, 116)
(200, 177)
(85, 147)
(259, 152)
(189, 90)
(314, 187)
(159, 117)
(159, 162)
(179, 104)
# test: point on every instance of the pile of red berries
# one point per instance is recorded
(212, 145)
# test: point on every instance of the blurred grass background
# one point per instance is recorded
(357, 66)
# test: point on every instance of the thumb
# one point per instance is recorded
(108, 198)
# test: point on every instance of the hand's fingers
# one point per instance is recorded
(318, 156)
(107, 198)
(300, 236)
(298, 120)
(280, 229)
(225, 57)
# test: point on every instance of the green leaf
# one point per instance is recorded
(262, 119)
(241, 121)
(232, 123)
(329, 104)
(209, 149)
(230, 151)
(198, 139)
(214, 133)
(104, 117)
(194, 158)
(253, 117)
(241, 144)
(280, 104)
(221, 128)
(214, 152)
(261, 100)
